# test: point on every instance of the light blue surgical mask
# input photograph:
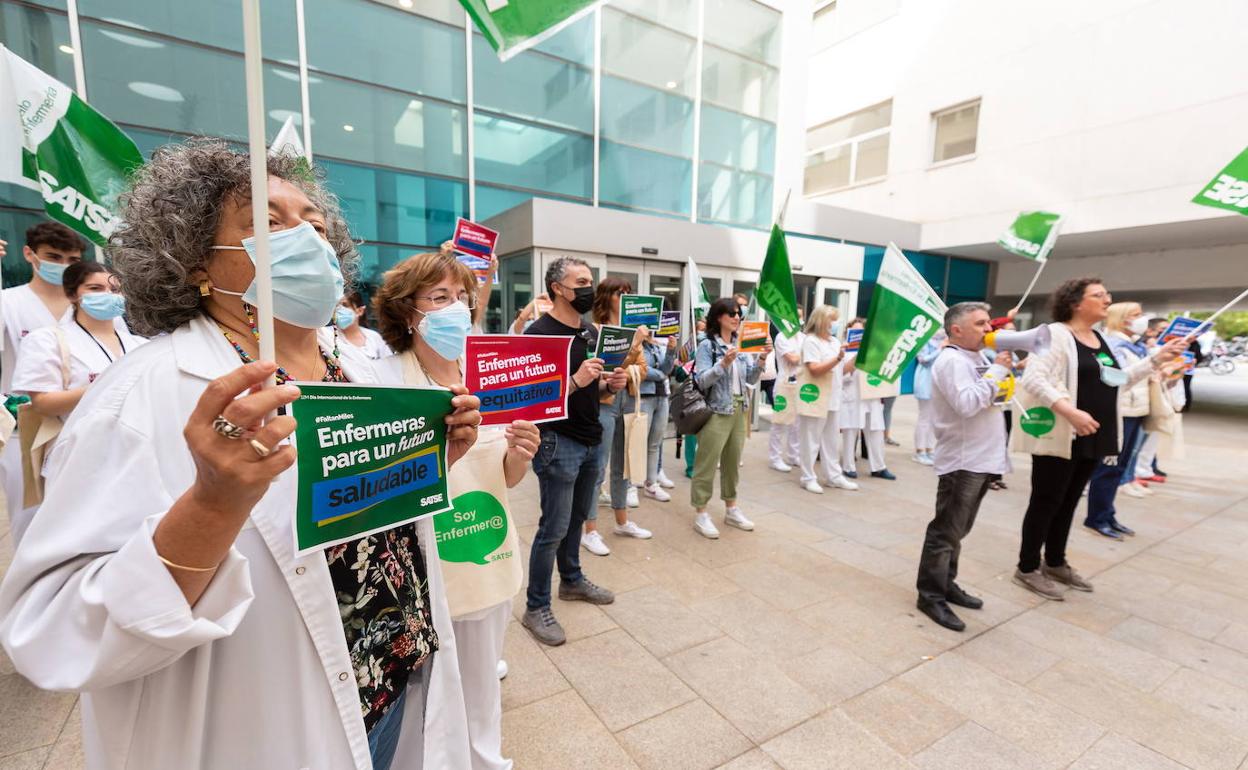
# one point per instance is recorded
(446, 330)
(103, 306)
(307, 281)
(835, 329)
(344, 317)
(52, 272)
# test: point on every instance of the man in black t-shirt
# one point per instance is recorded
(566, 463)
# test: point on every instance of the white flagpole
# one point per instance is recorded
(1209, 321)
(305, 108)
(254, 68)
(1031, 285)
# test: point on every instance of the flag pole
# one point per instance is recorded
(1209, 321)
(1031, 285)
(254, 69)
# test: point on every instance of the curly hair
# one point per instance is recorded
(1066, 298)
(395, 300)
(170, 216)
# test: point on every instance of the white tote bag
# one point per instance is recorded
(636, 436)
(813, 392)
(784, 403)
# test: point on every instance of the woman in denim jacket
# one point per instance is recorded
(723, 375)
(660, 357)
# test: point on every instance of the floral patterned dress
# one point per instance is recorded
(382, 588)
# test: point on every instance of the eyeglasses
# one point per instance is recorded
(441, 299)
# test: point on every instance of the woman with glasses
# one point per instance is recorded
(1072, 424)
(425, 309)
(613, 407)
(723, 374)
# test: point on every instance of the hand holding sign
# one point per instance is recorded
(461, 424)
(523, 438)
(588, 373)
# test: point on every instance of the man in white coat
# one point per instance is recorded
(970, 454)
(50, 248)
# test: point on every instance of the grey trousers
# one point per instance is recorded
(958, 495)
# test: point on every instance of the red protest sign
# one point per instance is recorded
(518, 376)
(475, 245)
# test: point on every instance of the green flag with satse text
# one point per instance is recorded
(512, 26)
(1229, 189)
(905, 313)
(53, 142)
(775, 293)
(1032, 235)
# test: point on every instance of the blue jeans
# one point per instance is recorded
(567, 481)
(383, 739)
(1107, 478)
(611, 450)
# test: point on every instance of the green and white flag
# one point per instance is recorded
(287, 141)
(53, 142)
(512, 26)
(694, 304)
(1032, 235)
(775, 292)
(905, 313)
(1229, 189)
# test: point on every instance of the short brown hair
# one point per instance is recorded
(604, 297)
(56, 235)
(1066, 297)
(395, 301)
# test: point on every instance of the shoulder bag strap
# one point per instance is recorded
(62, 345)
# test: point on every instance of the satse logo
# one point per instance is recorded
(920, 325)
(1229, 190)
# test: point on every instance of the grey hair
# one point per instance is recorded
(961, 310)
(170, 216)
(559, 268)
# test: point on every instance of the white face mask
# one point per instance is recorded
(1139, 325)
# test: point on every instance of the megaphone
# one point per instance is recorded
(1035, 340)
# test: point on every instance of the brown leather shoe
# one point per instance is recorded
(1037, 583)
(1066, 574)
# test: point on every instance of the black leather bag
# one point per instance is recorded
(687, 405)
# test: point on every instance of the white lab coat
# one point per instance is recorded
(256, 674)
(23, 312)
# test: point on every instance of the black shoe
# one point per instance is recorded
(1159, 471)
(884, 474)
(941, 615)
(850, 474)
(961, 598)
(1115, 526)
(1105, 530)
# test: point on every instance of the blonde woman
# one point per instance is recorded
(823, 361)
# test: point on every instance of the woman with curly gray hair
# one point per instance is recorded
(160, 578)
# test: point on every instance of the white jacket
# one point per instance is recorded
(1052, 376)
(257, 673)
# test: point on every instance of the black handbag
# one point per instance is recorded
(688, 406)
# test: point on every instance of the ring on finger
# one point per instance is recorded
(226, 428)
(260, 449)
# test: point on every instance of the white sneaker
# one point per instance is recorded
(733, 517)
(630, 529)
(782, 466)
(813, 487)
(1148, 492)
(632, 500)
(658, 493)
(704, 526)
(840, 482)
(922, 458)
(665, 482)
(593, 542)
(502, 669)
(604, 498)
(1132, 490)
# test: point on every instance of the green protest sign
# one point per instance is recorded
(1032, 235)
(472, 530)
(905, 313)
(641, 310)
(54, 143)
(1229, 189)
(370, 457)
(613, 345)
(512, 26)
(775, 292)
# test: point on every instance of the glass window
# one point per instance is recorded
(150, 81)
(495, 200)
(389, 206)
(520, 154)
(13, 223)
(210, 22)
(712, 286)
(848, 150)
(646, 180)
(733, 197)
(387, 47)
(828, 170)
(638, 50)
(739, 84)
(956, 132)
(872, 159)
(515, 290)
(746, 27)
(445, 11)
(575, 43)
(536, 86)
(377, 258)
(371, 125)
(732, 139)
(968, 281)
(39, 37)
(641, 116)
(667, 287)
(855, 124)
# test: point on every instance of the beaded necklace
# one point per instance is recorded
(333, 371)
